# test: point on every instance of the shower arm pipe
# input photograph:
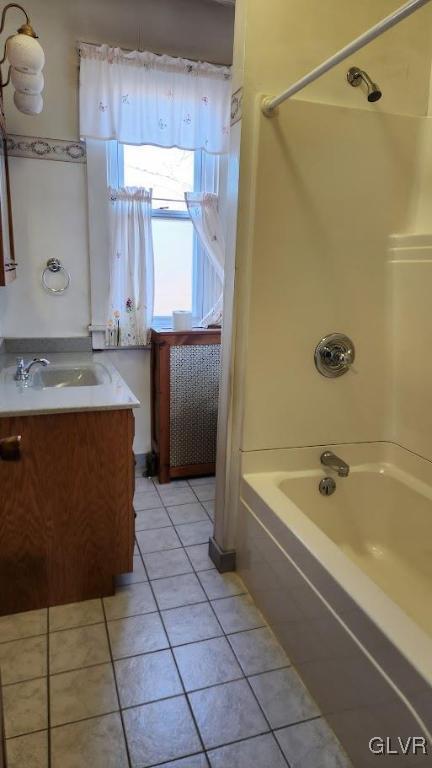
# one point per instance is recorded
(269, 105)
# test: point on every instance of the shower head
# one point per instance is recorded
(356, 77)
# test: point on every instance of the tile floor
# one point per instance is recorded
(177, 669)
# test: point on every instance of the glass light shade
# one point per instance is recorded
(26, 82)
(28, 103)
(25, 53)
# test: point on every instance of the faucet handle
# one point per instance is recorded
(346, 357)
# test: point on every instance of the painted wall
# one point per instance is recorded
(322, 186)
(50, 198)
(190, 28)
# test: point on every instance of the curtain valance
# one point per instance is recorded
(143, 98)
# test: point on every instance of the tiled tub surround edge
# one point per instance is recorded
(362, 684)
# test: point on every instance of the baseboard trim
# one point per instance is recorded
(140, 460)
(224, 559)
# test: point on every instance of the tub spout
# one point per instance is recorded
(330, 459)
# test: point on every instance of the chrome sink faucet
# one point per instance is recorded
(22, 372)
(329, 459)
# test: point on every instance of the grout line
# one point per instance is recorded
(155, 527)
(243, 676)
(176, 759)
(27, 733)
(48, 691)
(190, 560)
(173, 575)
(239, 741)
(305, 720)
(178, 696)
(25, 680)
(129, 584)
(180, 676)
(86, 719)
(77, 626)
(77, 669)
(158, 650)
(117, 688)
(25, 637)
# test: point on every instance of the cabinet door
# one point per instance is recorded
(65, 508)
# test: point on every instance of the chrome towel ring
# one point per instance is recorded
(55, 265)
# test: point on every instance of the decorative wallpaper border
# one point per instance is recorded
(46, 149)
(236, 106)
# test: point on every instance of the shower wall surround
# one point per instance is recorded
(323, 185)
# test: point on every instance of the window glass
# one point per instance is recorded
(169, 172)
(173, 260)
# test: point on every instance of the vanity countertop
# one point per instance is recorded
(18, 398)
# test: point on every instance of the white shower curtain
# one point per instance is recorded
(131, 267)
(204, 213)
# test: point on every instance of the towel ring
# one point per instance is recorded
(55, 265)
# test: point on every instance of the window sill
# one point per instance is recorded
(99, 345)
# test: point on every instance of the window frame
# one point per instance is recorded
(164, 322)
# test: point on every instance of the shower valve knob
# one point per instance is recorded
(334, 355)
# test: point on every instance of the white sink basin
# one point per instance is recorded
(60, 376)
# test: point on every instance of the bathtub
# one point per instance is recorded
(346, 583)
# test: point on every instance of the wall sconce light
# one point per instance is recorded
(26, 60)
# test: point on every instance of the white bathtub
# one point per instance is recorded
(381, 518)
(365, 555)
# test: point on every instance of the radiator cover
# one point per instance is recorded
(194, 392)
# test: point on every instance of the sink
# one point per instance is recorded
(60, 376)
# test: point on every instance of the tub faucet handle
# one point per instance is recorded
(329, 459)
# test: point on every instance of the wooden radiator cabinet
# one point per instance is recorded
(66, 508)
(162, 343)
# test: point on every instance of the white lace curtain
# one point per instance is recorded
(142, 98)
(131, 293)
(204, 213)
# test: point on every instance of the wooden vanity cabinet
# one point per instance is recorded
(66, 508)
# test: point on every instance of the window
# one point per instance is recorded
(177, 254)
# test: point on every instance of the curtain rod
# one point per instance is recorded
(269, 105)
(132, 50)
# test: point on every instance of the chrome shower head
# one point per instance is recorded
(356, 76)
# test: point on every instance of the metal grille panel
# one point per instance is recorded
(194, 403)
